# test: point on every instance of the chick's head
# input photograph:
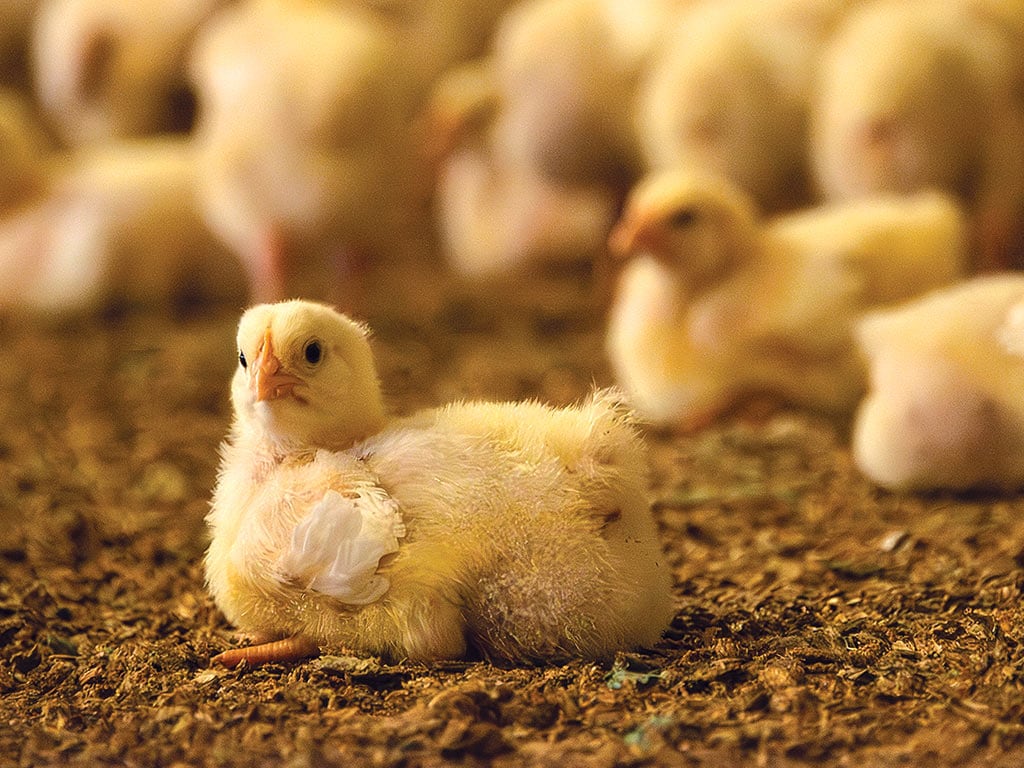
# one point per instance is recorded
(306, 376)
(699, 225)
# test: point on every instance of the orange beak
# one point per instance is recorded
(634, 234)
(268, 381)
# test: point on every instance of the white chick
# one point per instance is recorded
(945, 408)
(729, 93)
(917, 95)
(513, 531)
(112, 69)
(718, 305)
(304, 131)
(494, 215)
(113, 225)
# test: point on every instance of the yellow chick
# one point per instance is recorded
(916, 95)
(718, 304)
(729, 90)
(438, 34)
(512, 531)
(304, 131)
(945, 408)
(113, 225)
(567, 73)
(114, 69)
(495, 215)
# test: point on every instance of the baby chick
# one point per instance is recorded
(944, 409)
(438, 34)
(729, 92)
(304, 131)
(112, 225)
(718, 304)
(513, 531)
(111, 69)
(567, 72)
(495, 215)
(916, 95)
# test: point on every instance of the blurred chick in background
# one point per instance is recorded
(717, 304)
(308, 162)
(729, 93)
(496, 217)
(915, 95)
(110, 226)
(509, 530)
(551, 145)
(113, 69)
(945, 408)
(437, 34)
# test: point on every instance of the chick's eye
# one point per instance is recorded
(313, 352)
(241, 360)
(683, 218)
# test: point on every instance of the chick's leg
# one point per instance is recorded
(267, 268)
(290, 649)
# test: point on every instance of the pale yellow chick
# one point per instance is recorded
(729, 91)
(511, 531)
(718, 304)
(304, 128)
(918, 94)
(114, 225)
(437, 34)
(567, 73)
(114, 69)
(945, 407)
(495, 215)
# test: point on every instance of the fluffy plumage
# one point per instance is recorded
(525, 533)
(916, 95)
(945, 408)
(718, 304)
(304, 130)
(494, 214)
(729, 92)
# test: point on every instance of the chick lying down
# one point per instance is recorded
(511, 531)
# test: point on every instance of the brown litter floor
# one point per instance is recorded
(820, 620)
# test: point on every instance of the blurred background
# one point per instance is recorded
(211, 151)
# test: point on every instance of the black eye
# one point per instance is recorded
(241, 359)
(313, 352)
(683, 218)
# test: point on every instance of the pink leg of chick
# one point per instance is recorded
(267, 268)
(289, 649)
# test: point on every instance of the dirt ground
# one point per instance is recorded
(820, 620)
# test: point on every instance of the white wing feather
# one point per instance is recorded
(337, 548)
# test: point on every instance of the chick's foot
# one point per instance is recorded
(290, 649)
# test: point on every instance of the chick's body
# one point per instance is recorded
(944, 409)
(718, 305)
(526, 534)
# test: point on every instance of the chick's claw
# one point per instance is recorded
(292, 648)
